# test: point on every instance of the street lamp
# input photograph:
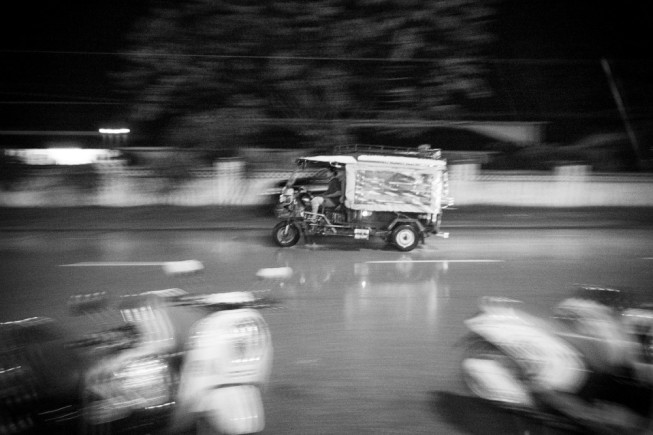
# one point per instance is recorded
(114, 130)
(114, 135)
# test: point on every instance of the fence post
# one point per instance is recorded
(229, 179)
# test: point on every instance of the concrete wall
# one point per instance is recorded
(567, 186)
(227, 183)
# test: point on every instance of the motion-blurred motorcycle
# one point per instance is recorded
(172, 362)
(390, 194)
(589, 351)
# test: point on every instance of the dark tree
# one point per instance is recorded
(213, 72)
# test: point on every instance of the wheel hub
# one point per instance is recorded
(405, 238)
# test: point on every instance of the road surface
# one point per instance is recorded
(365, 336)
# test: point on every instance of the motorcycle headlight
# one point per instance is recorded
(145, 381)
(287, 195)
(248, 339)
(138, 384)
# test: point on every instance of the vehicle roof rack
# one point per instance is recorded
(423, 151)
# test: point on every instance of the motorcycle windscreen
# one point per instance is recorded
(398, 188)
(235, 410)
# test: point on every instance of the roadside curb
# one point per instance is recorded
(239, 228)
(149, 219)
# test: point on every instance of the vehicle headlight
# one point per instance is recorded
(248, 339)
(145, 382)
(287, 195)
(138, 384)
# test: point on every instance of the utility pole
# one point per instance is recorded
(622, 111)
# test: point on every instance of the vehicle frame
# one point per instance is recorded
(395, 194)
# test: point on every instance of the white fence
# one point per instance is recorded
(227, 183)
(567, 186)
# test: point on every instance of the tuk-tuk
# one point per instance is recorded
(393, 193)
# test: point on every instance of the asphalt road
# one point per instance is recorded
(157, 218)
(365, 336)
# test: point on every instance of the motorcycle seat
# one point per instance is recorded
(597, 352)
(340, 209)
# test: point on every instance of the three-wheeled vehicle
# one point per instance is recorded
(392, 193)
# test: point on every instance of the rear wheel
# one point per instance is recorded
(285, 234)
(404, 237)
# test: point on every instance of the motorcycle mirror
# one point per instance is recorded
(180, 268)
(274, 273)
(230, 298)
(486, 303)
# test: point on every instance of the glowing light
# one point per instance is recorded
(73, 156)
(114, 130)
(63, 155)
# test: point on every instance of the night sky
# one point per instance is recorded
(575, 29)
(56, 56)
(56, 62)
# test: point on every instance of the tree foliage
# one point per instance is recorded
(215, 71)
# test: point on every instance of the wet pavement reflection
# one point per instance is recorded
(364, 336)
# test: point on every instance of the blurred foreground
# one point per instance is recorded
(365, 339)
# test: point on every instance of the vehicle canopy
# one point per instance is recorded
(396, 181)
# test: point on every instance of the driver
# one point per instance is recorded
(330, 198)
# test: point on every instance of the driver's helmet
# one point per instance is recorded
(337, 171)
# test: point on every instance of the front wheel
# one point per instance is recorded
(404, 237)
(492, 375)
(285, 234)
